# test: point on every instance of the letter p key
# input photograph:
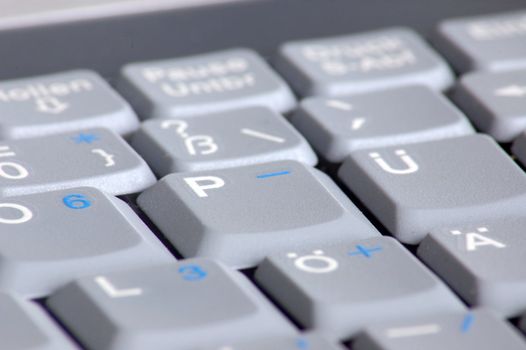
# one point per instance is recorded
(201, 183)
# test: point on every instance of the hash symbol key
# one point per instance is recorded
(239, 215)
(92, 157)
(201, 84)
(220, 140)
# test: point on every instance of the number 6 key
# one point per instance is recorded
(95, 157)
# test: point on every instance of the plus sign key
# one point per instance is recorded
(482, 263)
(62, 102)
(93, 157)
(240, 215)
(341, 289)
(201, 84)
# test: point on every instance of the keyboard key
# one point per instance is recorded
(49, 239)
(420, 187)
(24, 326)
(362, 62)
(178, 306)
(495, 102)
(341, 289)
(336, 127)
(518, 148)
(302, 342)
(481, 263)
(240, 215)
(221, 140)
(494, 42)
(205, 83)
(92, 157)
(478, 329)
(62, 102)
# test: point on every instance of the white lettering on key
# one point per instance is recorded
(210, 182)
(511, 91)
(180, 126)
(477, 239)
(45, 91)
(412, 166)
(263, 136)
(25, 216)
(357, 123)
(205, 142)
(5, 151)
(414, 331)
(114, 292)
(19, 171)
(109, 158)
(319, 263)
(340, 105)
(50, 105)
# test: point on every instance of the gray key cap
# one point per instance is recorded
(494, 42)
(239, 215)
(495, 102)
(301, 342)
(221, 140)
(335, 127)
(482, 263)
(178, 306)
(341, 289)
(362, 62)
(415, 188)
(49, 239)
(62, 102)
(92, 157)
(478, 330)
(24, 326)
(205, 83)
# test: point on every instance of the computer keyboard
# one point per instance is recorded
(363, 191)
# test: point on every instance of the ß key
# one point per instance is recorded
(341, 289)
(362, 62)
(495, 42)
(416, 188)
(477, 329)
(24, 326)
(481, 262)
(93, 157)
(205, 83)
(51, 238)
(239, 215)
(302, 342)
(62, 102)
(226, 139)
(337, 126)
(495, 102)
(184, 305)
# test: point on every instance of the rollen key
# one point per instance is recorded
(478, 329)
(494, 42)
(340, 289)
(48, 239)
(482, 263)
(189, 304)
(92, 157)
(416, 188)
(240, 215)
(62, 102)
(200, 84)
(220, 140)
(337, 126)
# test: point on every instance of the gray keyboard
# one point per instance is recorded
(363, 191)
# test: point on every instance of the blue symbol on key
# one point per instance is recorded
(76, 201)
(367, 252)
(467, 323)
(302, 344)
(85, 138)
(279, 173)
(192, 273)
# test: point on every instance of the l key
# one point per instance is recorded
(94, 157)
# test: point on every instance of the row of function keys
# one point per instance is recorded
(241, 215)
(201, 304)
(239, 78)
